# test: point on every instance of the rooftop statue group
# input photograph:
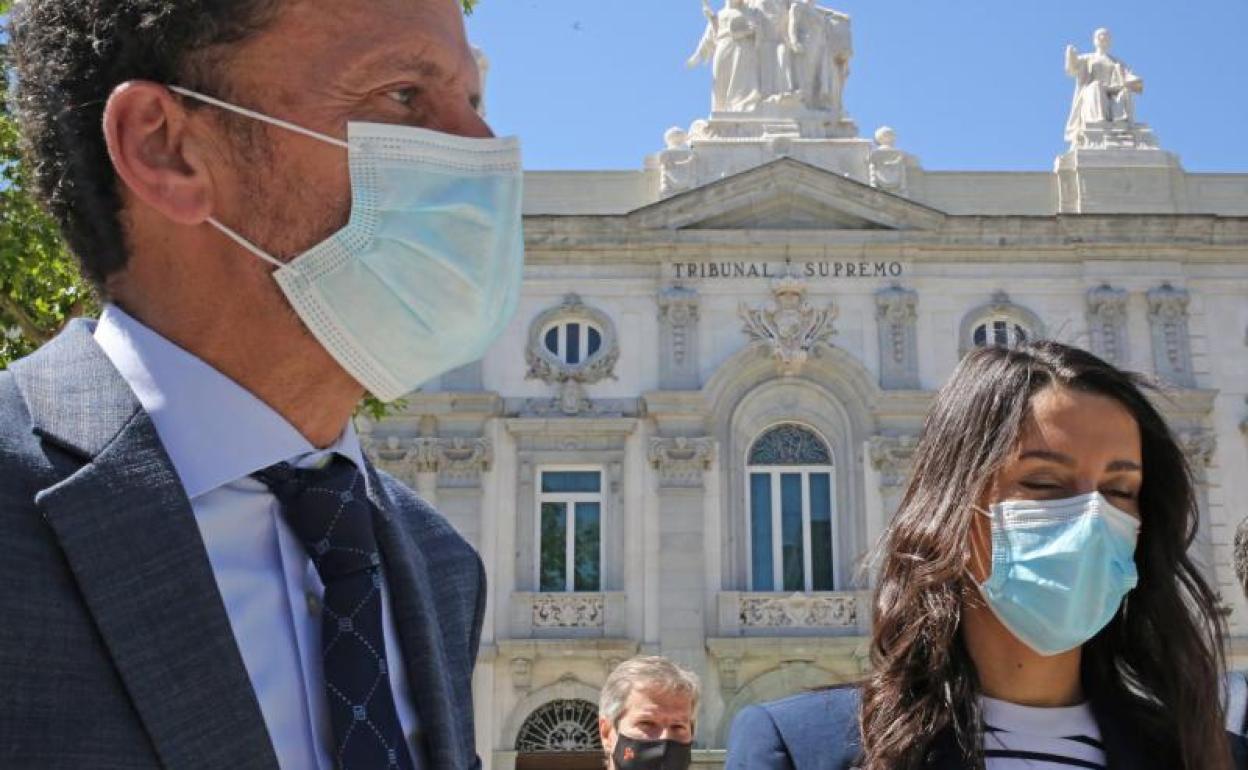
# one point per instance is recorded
(784, 52)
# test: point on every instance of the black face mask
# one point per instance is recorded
(638, 754)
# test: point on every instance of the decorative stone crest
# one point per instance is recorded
(1107, 323)
(1172, 354)
(791, 327)
(572, 378)
(897, 318)
(681, 460)
(799, 611)
(569, 610)
(893, 457)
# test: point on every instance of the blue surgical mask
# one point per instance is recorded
(1060, 568)
(426, 273)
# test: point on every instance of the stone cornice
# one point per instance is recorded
(1067, 237)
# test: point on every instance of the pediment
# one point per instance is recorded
(787, 195)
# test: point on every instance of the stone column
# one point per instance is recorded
(896, 316)
(680, 464)
(678, 339)
(1107, 324)
(1172, 352)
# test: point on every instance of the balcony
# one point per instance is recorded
(821, 613)
(567, 615)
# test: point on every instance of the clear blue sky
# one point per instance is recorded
(967, 84)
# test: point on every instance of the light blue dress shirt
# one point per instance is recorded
(217, 434)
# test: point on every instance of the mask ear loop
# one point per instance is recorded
(258, 116)
(229, 233)
(246, 244)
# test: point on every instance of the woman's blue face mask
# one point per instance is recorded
(1060, 568)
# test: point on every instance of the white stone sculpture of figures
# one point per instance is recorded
(1105, 89)
(819, 42)
(773, 51)
(730, 43)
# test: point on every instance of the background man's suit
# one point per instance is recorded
(115, 648)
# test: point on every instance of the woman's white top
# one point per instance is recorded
(1030, 738)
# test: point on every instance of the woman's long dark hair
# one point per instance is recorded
(1157, 663)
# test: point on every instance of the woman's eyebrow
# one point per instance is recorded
(1045, 454)
(1123, 465)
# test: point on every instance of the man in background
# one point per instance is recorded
(647, 715)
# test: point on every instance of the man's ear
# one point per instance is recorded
(607, 733)
(154, 153)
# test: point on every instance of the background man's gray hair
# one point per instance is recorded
(648, 673)
(1241, 555)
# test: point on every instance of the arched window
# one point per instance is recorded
(1000, 332)
(791, 500)
(999, 323)
(572, 341)
(562, 726)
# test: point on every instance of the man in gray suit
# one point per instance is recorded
(284, 203)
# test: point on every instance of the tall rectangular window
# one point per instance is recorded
(570, 530)
(791, 529)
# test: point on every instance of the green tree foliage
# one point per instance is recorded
(40, 287)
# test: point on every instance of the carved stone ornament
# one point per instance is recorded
(1199, 445)
(1107, 318)
(893, 457)
(569, 610)
(571, 378)
(791, 327)
(799, 611)
(456, 460)
(522, 674)
(681, 460)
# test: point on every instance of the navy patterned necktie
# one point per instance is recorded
(330, 513)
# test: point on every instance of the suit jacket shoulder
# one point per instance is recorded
(455, 567)
(812, 731)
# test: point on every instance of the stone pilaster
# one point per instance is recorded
(680, 464)
(678, 339)
(1172, 352)
(445, 471)
(897, 317)
(1107, 324)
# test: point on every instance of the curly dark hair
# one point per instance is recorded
(68, 56)
(1157, 661)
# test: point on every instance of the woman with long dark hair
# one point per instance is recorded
(1035, 604)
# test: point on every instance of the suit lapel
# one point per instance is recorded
(419, 632)
(131, 541)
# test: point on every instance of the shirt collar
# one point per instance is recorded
(214, 430)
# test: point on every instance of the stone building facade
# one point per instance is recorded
(702, 416)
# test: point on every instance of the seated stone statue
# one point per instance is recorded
(1104, 89)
